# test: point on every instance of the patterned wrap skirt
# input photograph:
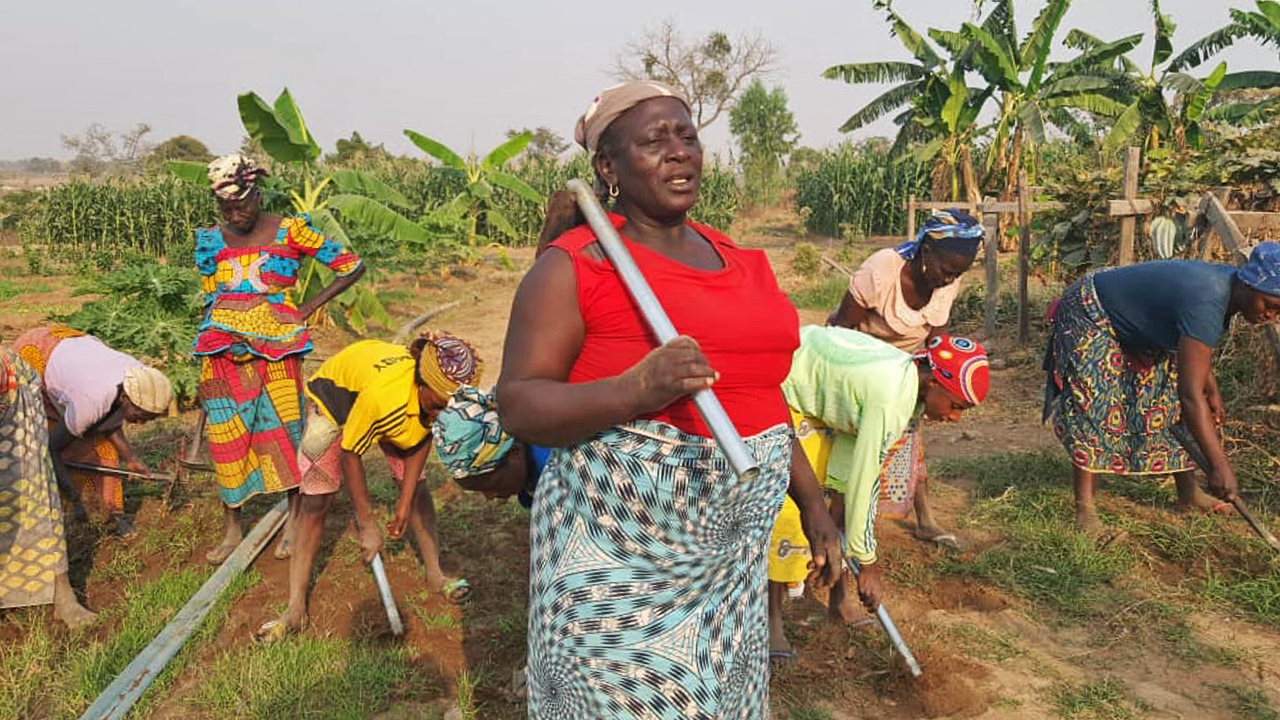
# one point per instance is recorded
(647, 582)
(1113, 415)
(101, 492)
(254, 407)
(32, 550)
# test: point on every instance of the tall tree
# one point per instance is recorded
(766, 132)
(544, 143)
(937, 111)
(710, 72)
(1036, 93)
(1165, 104)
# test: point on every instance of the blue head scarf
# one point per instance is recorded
(954, 231)
(1262, 272)
(467, 435)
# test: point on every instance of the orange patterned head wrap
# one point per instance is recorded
(446, 363)
(960, 365)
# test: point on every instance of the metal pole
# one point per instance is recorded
(388, 601)
(713, 414)
(116, 700)
(886, 622)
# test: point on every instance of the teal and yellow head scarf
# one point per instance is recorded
(467, 434)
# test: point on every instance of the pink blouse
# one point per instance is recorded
(877, 286)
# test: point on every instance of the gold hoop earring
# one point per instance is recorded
(613, 191)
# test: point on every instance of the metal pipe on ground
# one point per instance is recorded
(117, 699)
(713, 414)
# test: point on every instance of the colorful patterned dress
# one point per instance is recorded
(251, 342)
(1112, 415)
(32, 550)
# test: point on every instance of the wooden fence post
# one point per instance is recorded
(1024, 257)
(911, 217)
(991, 246)
(1128, 223)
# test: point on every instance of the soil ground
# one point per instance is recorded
(991, 647)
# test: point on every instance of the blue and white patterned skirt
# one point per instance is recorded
(647, 582)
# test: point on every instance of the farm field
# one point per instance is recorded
(1031, 621)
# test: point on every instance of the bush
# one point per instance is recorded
(150, 311)
(807, 259)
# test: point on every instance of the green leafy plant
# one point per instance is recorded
(150, 311)
(477, 203)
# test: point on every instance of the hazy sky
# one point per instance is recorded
(462, 72)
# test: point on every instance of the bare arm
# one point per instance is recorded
(545, 335)
(850, 314)
(1195, 375)
(414, 461)
(125, 450)
(330, 291)
(353, 478)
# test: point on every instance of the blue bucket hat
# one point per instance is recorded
(467, 434)
(1262, 272)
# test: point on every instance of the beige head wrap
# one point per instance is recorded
(613, 102)
(233, 177)
(148, 388)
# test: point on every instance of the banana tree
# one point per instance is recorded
(1034, 92)
(482, 177)
(1165, 105)
(936, 109)
(1263, 26)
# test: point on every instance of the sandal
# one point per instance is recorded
(946, 540)
(271, 632)
(456, 591)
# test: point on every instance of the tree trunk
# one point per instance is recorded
(1008, 242)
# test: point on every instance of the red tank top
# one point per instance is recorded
(743, 322)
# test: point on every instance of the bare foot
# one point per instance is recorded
(1202, 503)
(779, 646)
(284, 548)
(224, 549)
(1088, 523)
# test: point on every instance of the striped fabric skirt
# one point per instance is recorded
(101, 493)
(1111, 414)
(647, 581)
(254, 409)
(32, 550)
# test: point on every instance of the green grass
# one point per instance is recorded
(302, 676)
(1249, 703)
(978, 642)
(821, 295)
(1043, 557)
(1105, 699)
(9, 290)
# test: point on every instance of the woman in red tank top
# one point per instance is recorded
(648, 555)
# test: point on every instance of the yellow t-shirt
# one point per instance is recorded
(370, 390)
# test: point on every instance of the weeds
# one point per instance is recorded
(822, 295)
(1105, 699)
(1249, 703)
